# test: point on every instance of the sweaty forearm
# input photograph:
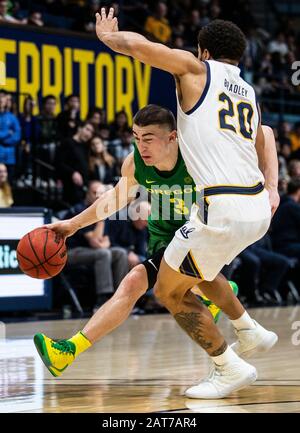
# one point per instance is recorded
(270, 159)
(123, 42)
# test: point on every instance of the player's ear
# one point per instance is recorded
(205, 55)
(173, 136)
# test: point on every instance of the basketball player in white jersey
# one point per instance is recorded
(223, 146)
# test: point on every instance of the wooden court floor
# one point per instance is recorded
(145, 366)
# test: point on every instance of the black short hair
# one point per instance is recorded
(69, 97)
(155, 115)
(47, 98)
(223, 40)
(293, 186)
(87, 122)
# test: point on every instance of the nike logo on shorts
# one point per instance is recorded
(150, 261)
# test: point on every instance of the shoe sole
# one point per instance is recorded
(245, 382)
(264, 346)
(41, 348)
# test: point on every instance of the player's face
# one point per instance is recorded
(153, 142)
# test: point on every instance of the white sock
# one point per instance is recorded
(228, 356)
(244, 322)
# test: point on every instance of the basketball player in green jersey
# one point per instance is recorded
(157, 164)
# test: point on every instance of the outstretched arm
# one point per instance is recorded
(105, 206)
(177, 62)
(268, 163)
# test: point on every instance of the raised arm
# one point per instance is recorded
(106, 205)
(177, 62)
(268, 162)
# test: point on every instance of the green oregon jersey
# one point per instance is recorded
(172, 196)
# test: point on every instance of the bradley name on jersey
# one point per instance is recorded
(235, 88)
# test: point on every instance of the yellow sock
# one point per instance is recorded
(81, 343)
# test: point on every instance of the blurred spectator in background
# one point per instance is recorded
(11, 104)
(6, 198)
(119, 125)
(157, 24)
(263, 270)
(10, 135)
(90, 246)
(68, 120)
(283, 170)
(131, 233)
(97, 117)
(284, 133)
(193, 26)
(104, 132)
(178, 30)
(295, 137)
(29, 136)
(278, 45)
(215, 11)
(5, 16)
(254, 50)
(286, 223)
(47, 131)
(102, 165)
(126, 146)
(73, 163)
(34, 18)
(178, 42)
(294, 169)
(282, 186)
(285, 151)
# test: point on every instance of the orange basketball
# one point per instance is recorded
(42, 253)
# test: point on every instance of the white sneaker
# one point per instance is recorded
(223, 380)
(252, 341)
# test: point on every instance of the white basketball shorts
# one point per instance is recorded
(233, 222)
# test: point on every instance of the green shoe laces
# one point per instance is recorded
(64, 346)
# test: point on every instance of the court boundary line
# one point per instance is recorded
(230, 405)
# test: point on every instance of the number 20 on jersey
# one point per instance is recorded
(242, 110)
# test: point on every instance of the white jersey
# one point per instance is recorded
(217, 137)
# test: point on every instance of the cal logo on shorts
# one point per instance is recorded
(185, 231)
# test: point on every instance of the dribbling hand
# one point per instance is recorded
(65, 228)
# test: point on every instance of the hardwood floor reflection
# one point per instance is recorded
(144, 366)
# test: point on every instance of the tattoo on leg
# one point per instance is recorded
(191, 323)
(221, 350)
